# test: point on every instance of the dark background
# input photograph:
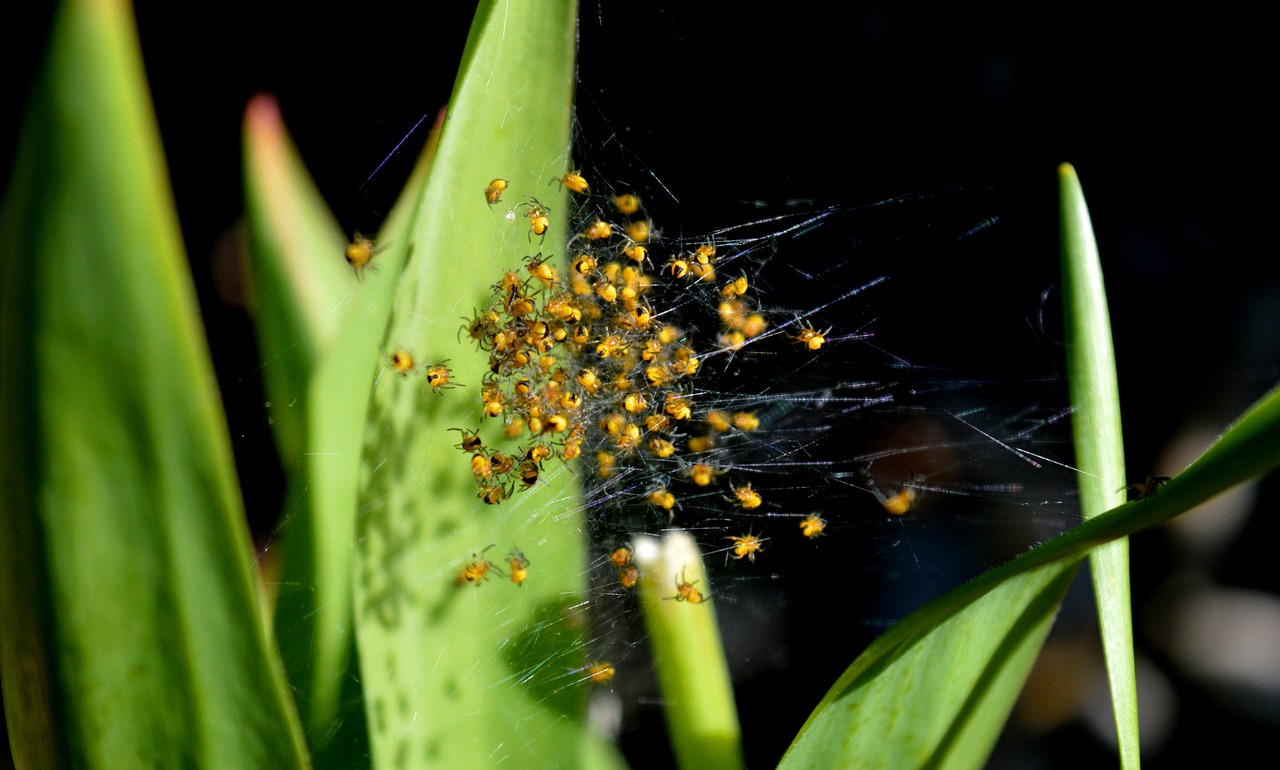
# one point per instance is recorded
(1164, 117)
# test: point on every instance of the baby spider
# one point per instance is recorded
(470, 440)
(528, 473)
(438, 376)
(360, 253)
(754, 325)
(402, 362)
(718, 421)
(703, 474)
(677, 406)
(502, 463)
(536, 454)
(735, 288)
(746, 497)
(605, 462)
(662, 498)
(626, 204)
(519, 566)
(638, 231)
(494, 191)
(585, 264)
(481, 466)
(620, 557)
(601, 672)
(636, 253)
(589, 381)
(685, 591)
(574, 181)
(540, 269)
(698, 444)
(747, 545)
(539, 216)
(628, 576)
(481, 328)
(1147, 487)
(493, 400)
(476, 570)
(811, 526)
(661, 447)
(598, 230)
(556, 423)
(810, 337)
(492, 494)
(901, 502)
(677, 268)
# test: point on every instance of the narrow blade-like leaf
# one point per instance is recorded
(880, 715)
(319, 328)
(131, 634)
(688, 655)
(1095, 418)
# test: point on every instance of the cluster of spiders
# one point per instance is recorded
(583, 350)
(587, 349)
(594, 356)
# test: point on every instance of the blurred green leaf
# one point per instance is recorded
(1095, 418)
(319, 327)
(130, 629)
(300, 283)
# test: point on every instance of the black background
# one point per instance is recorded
(1164, 116)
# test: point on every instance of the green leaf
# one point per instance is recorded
(1095, 415)
(301, 285)
(687, 654)
(881, 714)
(493, 673)
(319, 328)
(935, 689)
(131, 634)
